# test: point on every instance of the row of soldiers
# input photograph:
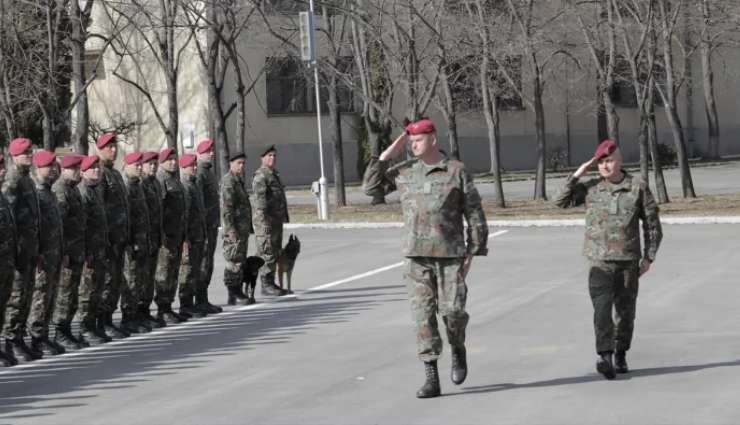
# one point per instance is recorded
(79, 237)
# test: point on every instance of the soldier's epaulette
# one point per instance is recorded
(403, 164)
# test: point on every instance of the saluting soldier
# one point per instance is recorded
(192, 255)
(50, 255)
(7, 258)
(73, 219)
(153, 192)
(437, 194)
(113, 191)
(208, 183)
(616, 202)
(269, 213)
(20, 192)
(174, 231)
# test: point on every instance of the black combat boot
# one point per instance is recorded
(81, 341)
(165, 314)
(111, 329)
(459, 365)
(93, 332)
(236, 296)
(20, 351)
(270, 289)
(605, 366)
(202, 303)
(7, 359)
(46, 347)
(620, 362)
(431, 386)
(145, 316)
(188, 309)
(63, 337)
(128, 325)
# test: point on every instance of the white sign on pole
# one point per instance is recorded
(308, 51)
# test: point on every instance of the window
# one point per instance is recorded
(94, 63)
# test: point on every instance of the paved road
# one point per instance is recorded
(345, 354)
(715, 180)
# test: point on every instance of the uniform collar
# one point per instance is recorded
(204, 164)
(108, 163)
(430, 168)
(625, 184)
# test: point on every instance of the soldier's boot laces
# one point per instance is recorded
(431, 386)
(46, 347)
(620, 362)
(7, 358)
(459, 365)
(236, 296)
(20, 351)
(111, 329)
(605, 366)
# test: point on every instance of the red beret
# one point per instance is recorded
(105, 139)
(88, 162)
(20, 145)
(187, 159)
(606, 148)
(43, 158)
(165, 154)
(148, 156)
(424, 126)
(205, 146)
(72, 160)
(133, 158)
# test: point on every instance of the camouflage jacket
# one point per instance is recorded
(20, 192)
(73, 218)
(113, 192)
(268, 200)
(435, 199)
(139, 218)
(153, 192)
(51, 239)
(208, 184)
(96, 221)
(174, 208)
(7, 229)
(612, 215)
(196, 211)
(236, 210)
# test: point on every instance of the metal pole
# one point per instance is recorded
(323, 195)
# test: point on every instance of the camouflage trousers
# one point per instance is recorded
(235, 254)
(269, 246)
(168, 268)
(147, 290)
(44, 295)
(190, 272)
(113, 278)
(135, 270)
(435, 285)
(6, 285)
(613, 286)
(91, 289)
(67, 293)
(19, 302)
(206, 272)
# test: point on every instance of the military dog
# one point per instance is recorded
(286, 261)
(251, 271)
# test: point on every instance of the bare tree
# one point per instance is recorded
(80, 12)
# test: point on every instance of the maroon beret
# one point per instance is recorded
(72, 160)
(187, 159)
(424, 126)
(205, 146)
(20, 145)
(43, 158)
(105, 139)
(89, 162)
(148, 156)
(606, 148)
(133, 158)
(165, 154)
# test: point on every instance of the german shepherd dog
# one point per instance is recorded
(286, 261)
(251, 271)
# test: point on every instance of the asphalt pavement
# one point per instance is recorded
(342, 351)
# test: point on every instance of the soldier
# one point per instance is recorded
(153, 192)
(73, 220)
(92, 324)
(137, 250)
(50, 255)
(436, 194)
(7, 258)
(113, 191)
(20, 192)
(208, 183)
(269, 213)
(236, 214)
(195, 242)
(174, 228)
(615, 203)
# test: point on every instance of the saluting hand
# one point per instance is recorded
(395, 149)
(583, 169)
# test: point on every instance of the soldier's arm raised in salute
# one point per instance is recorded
(377, 181)
(573, 192)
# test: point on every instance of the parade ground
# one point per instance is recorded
(342, 349)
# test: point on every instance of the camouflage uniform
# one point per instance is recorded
(96, 243)
(137, 253)
(612, 245)
(236, 213)
(7, 253)
(153, 191)
(20, 192)
(435, 199)
(174, 225)
(192, 260)
(113, 193)
(73, 219)
(50, 261)
(208, 184)
(269, 213)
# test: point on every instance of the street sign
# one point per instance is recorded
(308, 48)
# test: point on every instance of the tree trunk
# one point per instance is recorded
(710, 106)
(172, 107)
(79, 77)
(644, 149)
(336, 131)
(687, 185)
(660, 186)
(540, 189)
(491, 113)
